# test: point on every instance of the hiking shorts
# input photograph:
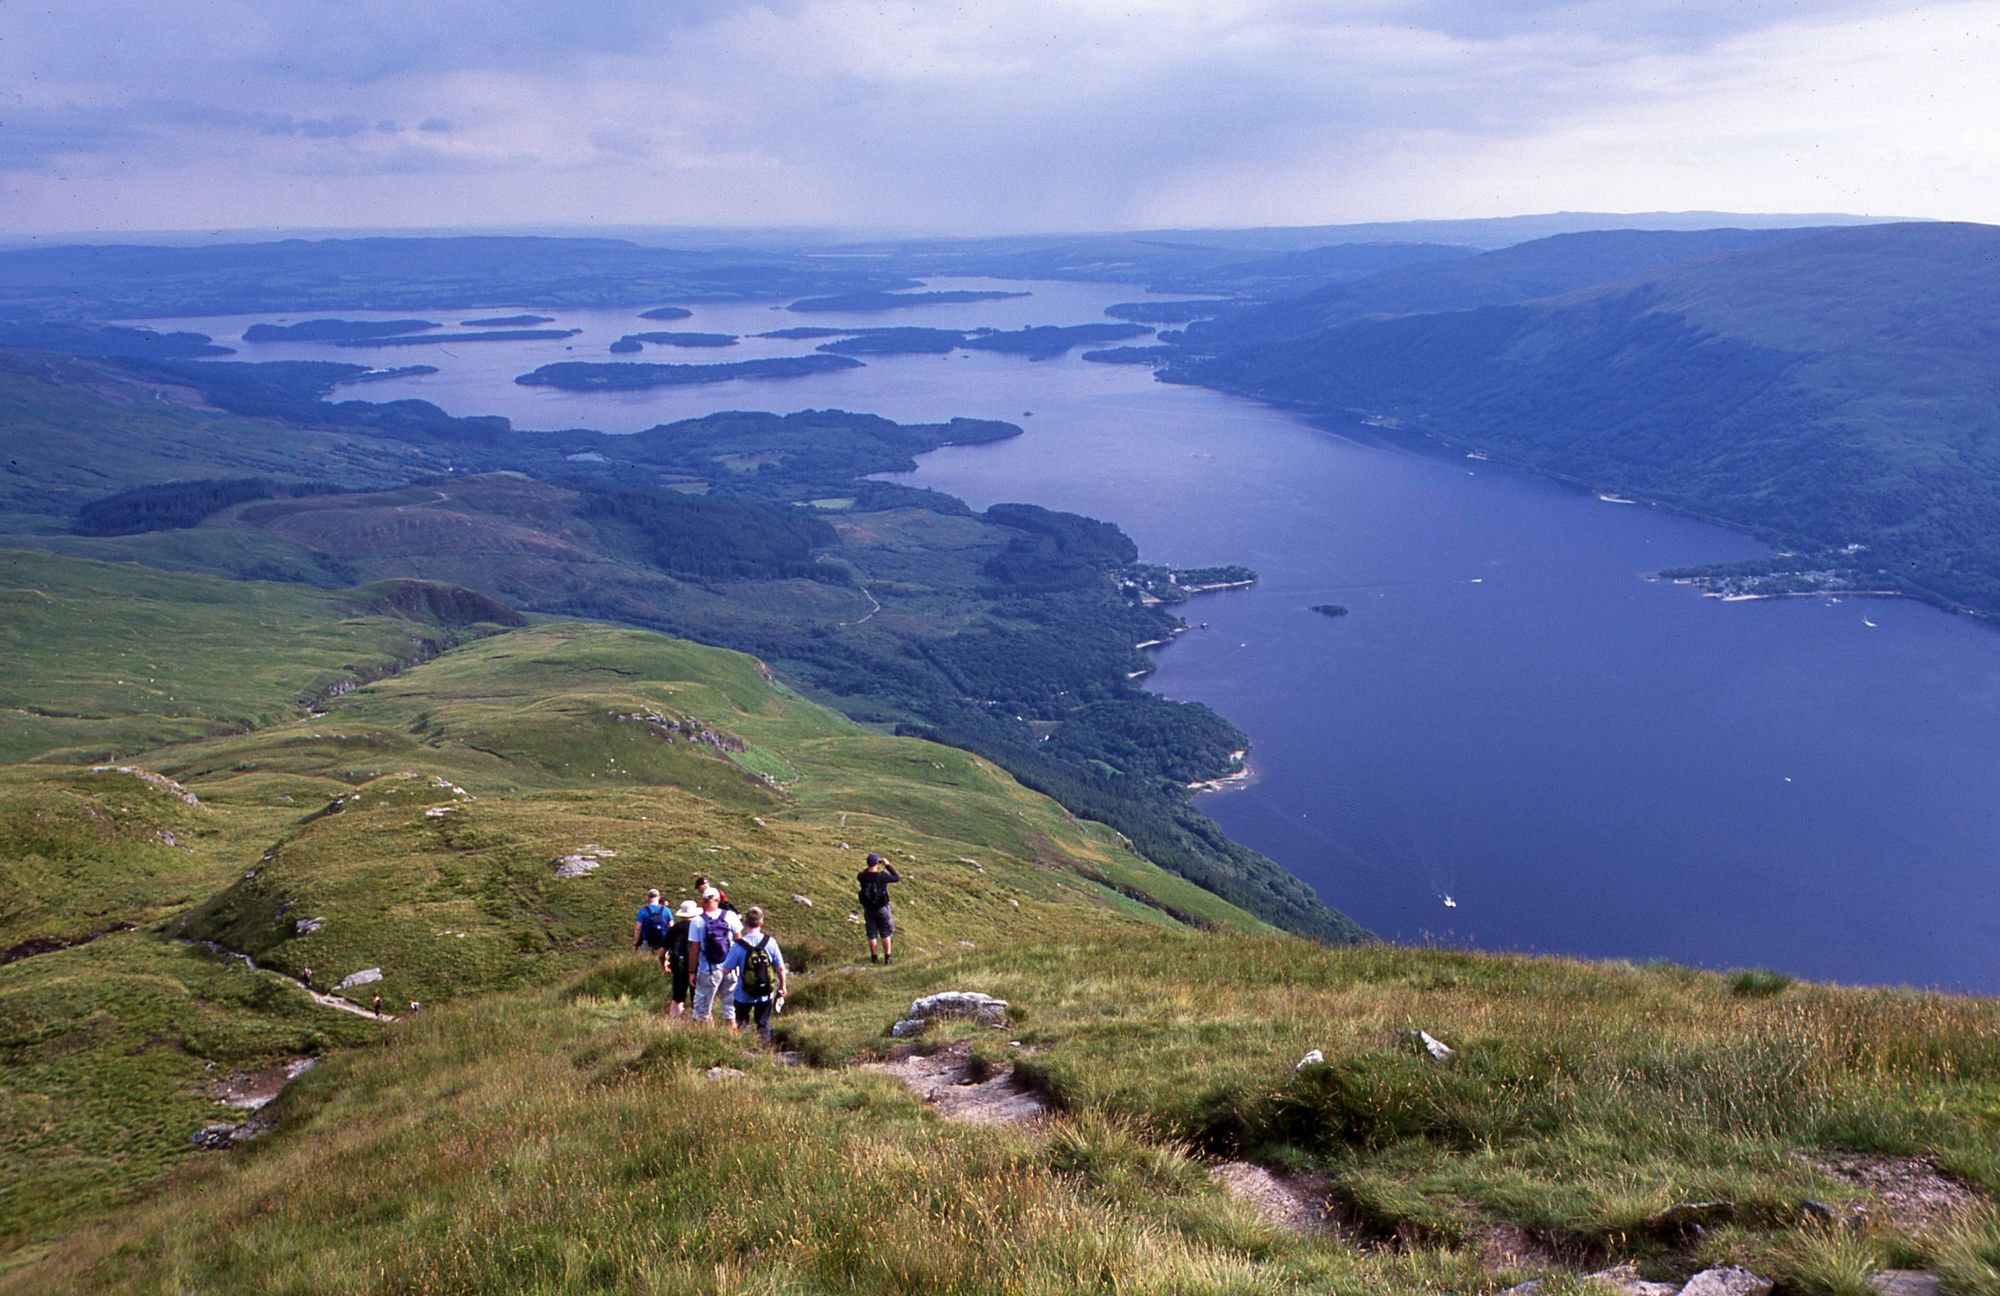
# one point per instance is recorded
(879, 923)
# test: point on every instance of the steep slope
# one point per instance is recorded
(1829, 391)
(419, 825)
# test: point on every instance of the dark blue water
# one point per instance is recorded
(1585, 761)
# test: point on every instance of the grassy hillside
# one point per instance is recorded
(1823, 392)
(565, 1139)
(413, 824)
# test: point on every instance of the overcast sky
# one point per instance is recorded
(990, 115)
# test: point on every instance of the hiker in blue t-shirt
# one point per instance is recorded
(650, 924)
(710, 935)
(760, 968)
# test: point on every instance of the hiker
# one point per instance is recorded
(760, 966)
(876, 919)
(702, 883)
(306, 977)
(710, 934)
(650, 924)
(377, 1004)
(677, 956)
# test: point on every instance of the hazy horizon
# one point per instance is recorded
(1051, 116)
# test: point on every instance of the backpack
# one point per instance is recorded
(874, 891)
(715, 936)
(653, 922)
(757, 982)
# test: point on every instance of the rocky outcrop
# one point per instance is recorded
(366, 976)
(982, 1008)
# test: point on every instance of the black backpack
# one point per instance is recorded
(715, 936)
(653, 924)
(874, 891)
(758, 982)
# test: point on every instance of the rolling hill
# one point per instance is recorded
(1832, 393)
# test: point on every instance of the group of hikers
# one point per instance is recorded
(716, 953)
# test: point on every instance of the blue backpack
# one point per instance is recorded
(653, 923)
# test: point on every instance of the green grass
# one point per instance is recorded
(541, 1129)
(567, 1139)
(108, 659)
(108, 1052)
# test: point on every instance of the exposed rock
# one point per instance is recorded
(1296, 1203)
(307, 926)
(950, 1081)
(1909, 1192)
(253, 1089)
(1730, 1280)
(214, 1136)
(159, 781)
(582, 860)
(801, 900)
(1437, 1048)
(982, 1008)
(1621, 1280)
(907, 1027)
(1313, 1057)
(1906, 1282)
(723, 1073)
(366, 976)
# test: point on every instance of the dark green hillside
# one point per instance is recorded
(298, 275)
(880, 597)
(1547, 267)
(1823, 392)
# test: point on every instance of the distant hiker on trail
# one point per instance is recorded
(710, 935)
(702, 883)
(677, 956)
(760, 966)
(306, 977)
(650, 924)
(876, 919)
(377, 1004)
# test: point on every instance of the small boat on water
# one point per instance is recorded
(1870, 624)
(1450, 903)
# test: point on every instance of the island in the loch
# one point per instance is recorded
(434, 339)
(397, 371)
(666, 313)
(876, 300)
(335, 330)
(1330, 609)
(632, 342)
(580, 375)
(507, 321)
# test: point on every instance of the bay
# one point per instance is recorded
(1512, 716)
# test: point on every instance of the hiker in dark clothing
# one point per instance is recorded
(876, 919)
(377, 1004)
(306, 977)
(760, 987)
(703, 883)
(650, 924)
(677, 958)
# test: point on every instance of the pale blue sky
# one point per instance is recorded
(979, 117)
